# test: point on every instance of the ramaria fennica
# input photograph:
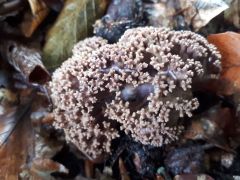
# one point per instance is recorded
(143, 84)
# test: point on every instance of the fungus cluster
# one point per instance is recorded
(140, 85)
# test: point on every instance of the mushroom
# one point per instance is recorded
(142, 84)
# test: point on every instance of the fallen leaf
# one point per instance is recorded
(199, 12)
(36, 6)
(74, 23)
(183, 14)
(10, 116)
(39, 12)
(228, 44)
(44, 167)
(17, 151)
(48, 141)
(233, 13)
(25, 60)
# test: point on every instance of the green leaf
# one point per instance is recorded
(73, 24)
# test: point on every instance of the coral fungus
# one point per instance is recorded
(142, 84)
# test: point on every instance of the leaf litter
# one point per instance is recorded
(37, 36)
(74, 23)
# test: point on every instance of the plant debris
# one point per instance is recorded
(183, 14)
(121, 15)
(44, 168)
(39, 12)
(186, 160)
(228, 43)
(25, 60)
(73, 24)
(232, 14)
(132, 89)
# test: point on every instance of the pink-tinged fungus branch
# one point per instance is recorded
(143, 83)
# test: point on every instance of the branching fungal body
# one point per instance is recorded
(142, 84)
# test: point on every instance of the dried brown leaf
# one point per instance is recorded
(25, 60)
(48, 142)
(228, 44)
(36, 6)
(10, 116)
(7, 124)
(17, 151)
(33, 20)
(44, 167)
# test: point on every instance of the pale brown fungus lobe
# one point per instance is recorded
(143, 83)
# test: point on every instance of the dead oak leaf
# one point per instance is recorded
(228, 44)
